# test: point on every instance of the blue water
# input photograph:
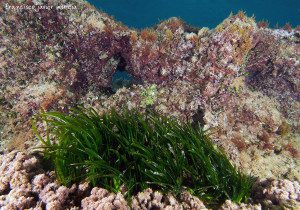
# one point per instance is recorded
(121, 79)
(209, 13)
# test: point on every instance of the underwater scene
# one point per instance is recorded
(200, 13)
(149, 104)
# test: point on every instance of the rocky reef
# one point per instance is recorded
(240, 80)
(25, 185)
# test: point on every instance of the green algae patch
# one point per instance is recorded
(149, 96)
(135, 151)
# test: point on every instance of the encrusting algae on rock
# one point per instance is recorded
(240, 80)
(149, 96)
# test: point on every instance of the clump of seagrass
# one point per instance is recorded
(139, 151)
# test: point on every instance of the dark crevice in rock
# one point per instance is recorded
(191, 29)
(5, 191)
(198, 117)
(122, 77)
(81, 83)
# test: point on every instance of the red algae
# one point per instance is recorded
(263, 24)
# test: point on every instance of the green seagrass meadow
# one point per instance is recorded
(136, 151)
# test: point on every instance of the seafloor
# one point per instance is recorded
(241, 80)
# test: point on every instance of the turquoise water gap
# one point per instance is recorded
(201, 13)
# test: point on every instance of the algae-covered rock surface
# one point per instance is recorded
(240, 80)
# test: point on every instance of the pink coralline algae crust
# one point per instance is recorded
(232, 206)
(283, 192)
(156, 200)
(24, 185)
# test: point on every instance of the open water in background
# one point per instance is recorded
(208, 13)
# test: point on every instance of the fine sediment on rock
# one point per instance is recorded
(238, 79)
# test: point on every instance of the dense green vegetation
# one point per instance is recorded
(138, 151)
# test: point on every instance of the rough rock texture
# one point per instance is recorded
(239, 80)
(232, 206)
(156, 200)
(23, 184)
(271, 193)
